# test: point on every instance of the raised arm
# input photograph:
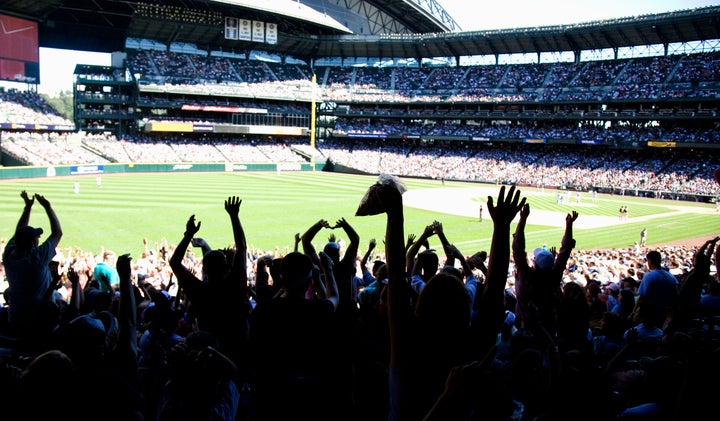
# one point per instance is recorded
(127, 318)
(447, 247)
(331, 289)
(518, 242)
(76, 299)
(56, 276)
(25, 215)
(297, 242)
(398, 292)
(410, 241)
(569, 220)
(477, 261)
(568, 243)
(307, 239)
(202, 244)
(371, 246)
(239, 261)
(457, 254)
(354, 241)
(55, 229)
(491, 305)
(386, 197)
(692, 286)
(182, 273)
(413, 250)
(502, 215)
(366, 275)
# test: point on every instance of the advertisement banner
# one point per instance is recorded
(87, 169)
(661, 144)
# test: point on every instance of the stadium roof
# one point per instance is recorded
(288, 9)
(399, 16)
(103, 26)
(665, 28)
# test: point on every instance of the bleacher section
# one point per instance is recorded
(439, 122)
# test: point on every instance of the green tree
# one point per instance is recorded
(62, 103)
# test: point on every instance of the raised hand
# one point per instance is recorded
(232, 205)
(28, 199)
(341, 223)
(54, 267)
(191, 228)
(571, 217)
(525, 212)
(410, 240)
(123, 266)
(507, 207)
(198, 242)
(429, 230)
(42, 200)
(73, 276)
(372, 244)
(703, 256)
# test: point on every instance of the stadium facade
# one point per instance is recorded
(375, 71)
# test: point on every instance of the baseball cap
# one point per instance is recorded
(331, 247)
(26, 234)
(543, 258)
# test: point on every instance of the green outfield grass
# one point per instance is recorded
(127, 207)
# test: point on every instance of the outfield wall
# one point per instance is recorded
(9, 173)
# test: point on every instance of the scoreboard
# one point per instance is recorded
(19, 50)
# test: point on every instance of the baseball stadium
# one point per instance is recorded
(543, 172)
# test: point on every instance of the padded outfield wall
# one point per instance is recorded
(8, 173)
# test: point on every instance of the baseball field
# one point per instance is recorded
(117, 211)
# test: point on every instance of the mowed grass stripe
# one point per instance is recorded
(128, 207)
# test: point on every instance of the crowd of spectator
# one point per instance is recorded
(34, 148)
(49, 148)
(640, 172)
(669, 77)
(25, 107)
(325, 329)
(333, 325)
(477, 161)
(218, 75)
(579, 168)
(531, 130)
